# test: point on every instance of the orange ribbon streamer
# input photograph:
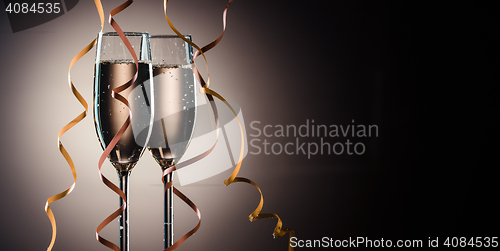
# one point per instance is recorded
(255, 215)
(187, 201)
(68, 126)
(115, 94)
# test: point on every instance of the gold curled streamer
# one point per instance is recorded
(255, 215)
(68, 126)
(189, 42)
(115, 94)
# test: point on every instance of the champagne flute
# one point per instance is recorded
(175, 110)
(114, 67)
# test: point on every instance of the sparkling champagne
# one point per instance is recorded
(110, 113)
(175, 109)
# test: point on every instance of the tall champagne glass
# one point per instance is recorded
(175, 109)
(114, 67)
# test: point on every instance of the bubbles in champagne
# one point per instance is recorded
(110, 114)
(174, 112)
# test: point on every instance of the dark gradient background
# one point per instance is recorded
(425, 73)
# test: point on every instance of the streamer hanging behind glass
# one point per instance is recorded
(255, 215)
(75, 121)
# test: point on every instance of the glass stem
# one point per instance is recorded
(168, 216)
(124, 217)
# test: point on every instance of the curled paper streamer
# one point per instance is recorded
(187, 201)
(116, 95)
(256, 214)
(68, 126)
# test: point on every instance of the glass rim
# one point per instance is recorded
(169, 36)
(127, 33)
